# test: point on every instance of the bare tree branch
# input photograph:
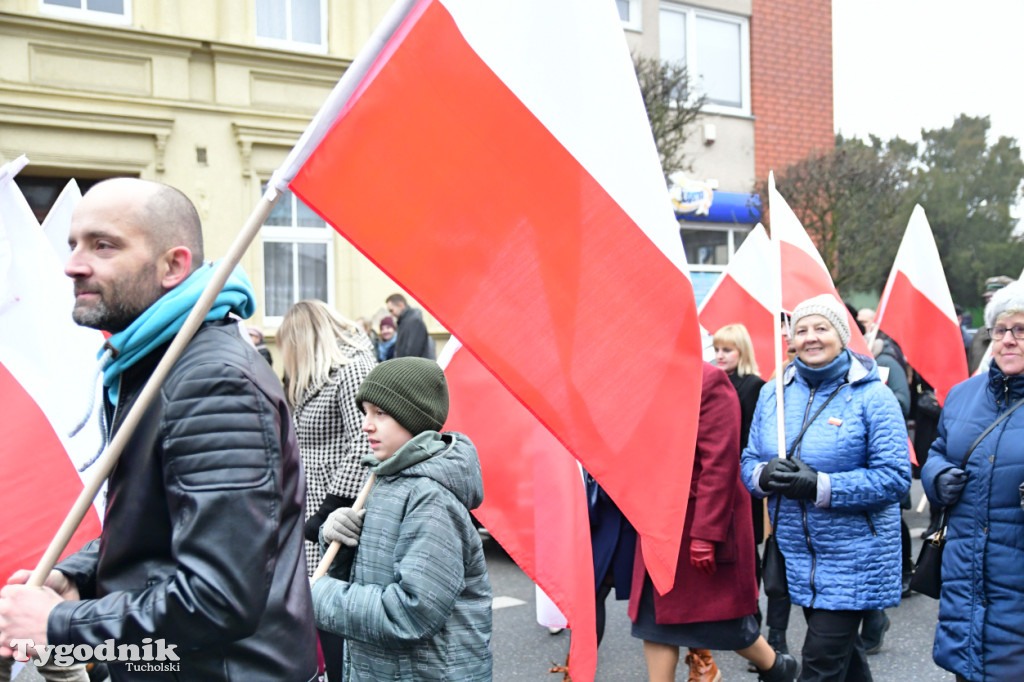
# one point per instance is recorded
(671, 108)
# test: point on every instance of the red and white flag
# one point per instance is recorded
(804, 273)
(47, 367)
(743, 294)
(469, 153)
(917, 311)
(534, 500)
(57, 223)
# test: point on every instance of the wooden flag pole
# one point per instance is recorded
(332, 551)
(105, 463)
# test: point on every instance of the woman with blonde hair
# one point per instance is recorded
(734, 351)
(326, 358)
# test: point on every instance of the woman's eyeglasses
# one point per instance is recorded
(999, 332)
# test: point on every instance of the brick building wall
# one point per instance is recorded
(790, 81)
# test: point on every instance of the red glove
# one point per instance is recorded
(702, 555)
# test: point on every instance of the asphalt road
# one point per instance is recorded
(524, 650)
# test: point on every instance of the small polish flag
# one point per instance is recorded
(743, 294)
(804, 273)
(917, 311)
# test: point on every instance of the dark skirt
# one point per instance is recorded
(723, 635)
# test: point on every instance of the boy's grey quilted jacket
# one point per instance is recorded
(418, 606)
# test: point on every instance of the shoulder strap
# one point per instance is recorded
(963, 465)
(810, 421)
(977, 441)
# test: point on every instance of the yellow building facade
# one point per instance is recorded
(206, 95)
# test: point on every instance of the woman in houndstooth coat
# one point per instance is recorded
(326, 358)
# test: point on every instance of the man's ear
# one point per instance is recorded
(175, 265)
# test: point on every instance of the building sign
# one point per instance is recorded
(690, 197)
(696, 201)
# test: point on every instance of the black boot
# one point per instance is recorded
(785, 669)
(777, 640)
(907, 592)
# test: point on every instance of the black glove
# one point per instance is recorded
(949, 484)
(775, 464)
(798, 484)
(311, 531)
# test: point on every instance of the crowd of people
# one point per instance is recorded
(833, 499)
(234, 486)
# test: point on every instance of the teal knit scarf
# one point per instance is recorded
(161, 321)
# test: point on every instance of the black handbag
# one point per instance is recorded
(773, 563)
(927, 578)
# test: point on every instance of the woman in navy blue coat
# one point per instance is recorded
(980, 635)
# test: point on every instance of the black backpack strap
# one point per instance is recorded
(993, 425)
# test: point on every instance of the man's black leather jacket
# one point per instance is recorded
(202, 539)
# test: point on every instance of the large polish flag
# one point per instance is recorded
(804, 273)
(743, 294)
(917, 311)
(46, 372)
(495, 160)
(534, 500)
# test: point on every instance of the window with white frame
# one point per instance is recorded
(716, 50)
(106, 11)
(292, 24)
(298, 258)
(629, 13)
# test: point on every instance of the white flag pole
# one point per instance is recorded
(780, 413)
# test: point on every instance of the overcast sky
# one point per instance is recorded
(903, 65)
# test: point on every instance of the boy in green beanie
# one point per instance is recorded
(409, 590)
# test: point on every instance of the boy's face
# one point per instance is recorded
(385, 434)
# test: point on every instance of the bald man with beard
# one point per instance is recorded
(201, 547)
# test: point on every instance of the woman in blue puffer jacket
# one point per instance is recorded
(980, 635)
(837, 492)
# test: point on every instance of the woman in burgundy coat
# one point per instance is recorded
(713, 600)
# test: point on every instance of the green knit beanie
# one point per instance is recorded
(412, 390)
